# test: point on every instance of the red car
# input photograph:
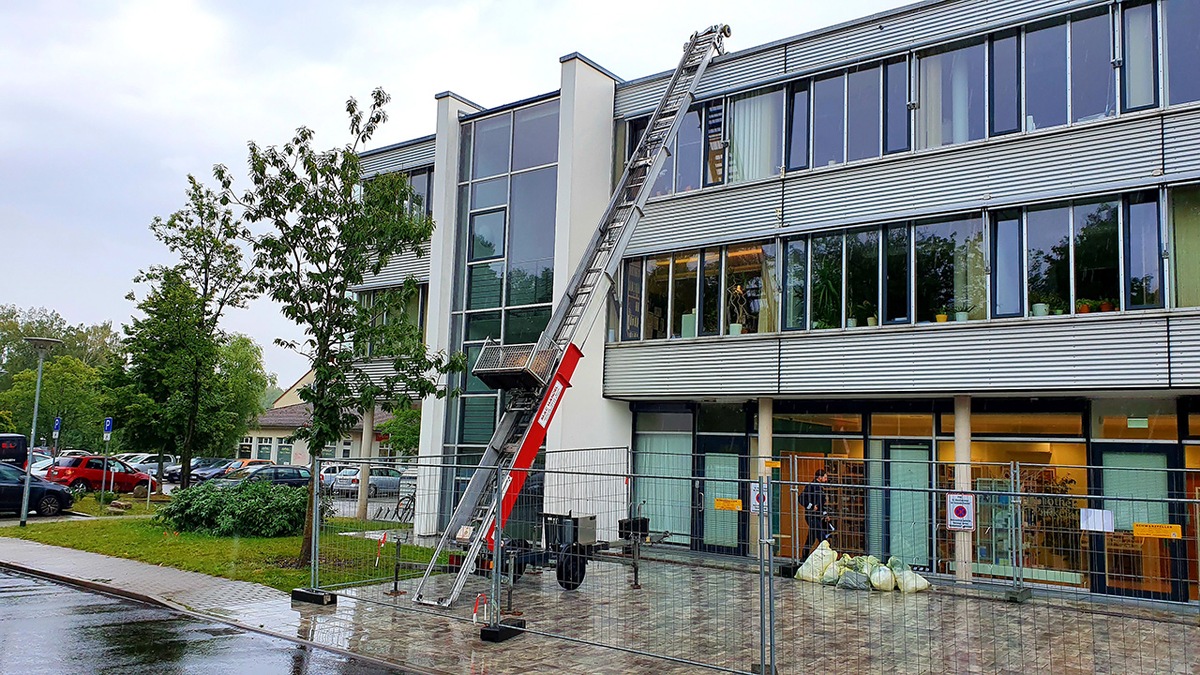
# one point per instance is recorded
(87, 472)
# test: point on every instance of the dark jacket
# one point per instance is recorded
(813, 499)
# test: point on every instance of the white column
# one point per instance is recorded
(367, 451)
(963, 544)
(760, 454)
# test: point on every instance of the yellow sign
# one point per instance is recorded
(1158, 531)
(727, 504)
(772, 464)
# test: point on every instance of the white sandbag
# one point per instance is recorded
(882, 578)
(817, 561)
(910, 582)
(831, 574)
(856, 581)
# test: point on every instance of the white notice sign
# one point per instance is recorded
(758, 499)
(960, 512)
(1095, 520)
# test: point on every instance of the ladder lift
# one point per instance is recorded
(537, 375)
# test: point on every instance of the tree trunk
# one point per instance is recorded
(185, 452)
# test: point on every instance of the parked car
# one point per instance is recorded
(295, 476)
(13, 450)
(219, 470)
(149, 463)
(89, 473)
(48, 499)
(41, 467)
(74, 453)
(174, 472)
(384, 480)
(130, 457)
(329, 473)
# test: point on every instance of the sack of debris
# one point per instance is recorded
(812, 569)
(834, 571)
(853, 580)
(882, 578)
(907, 580)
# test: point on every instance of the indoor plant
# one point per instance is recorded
(962, 311)
(941, 314)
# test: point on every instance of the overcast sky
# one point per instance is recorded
(105, 107)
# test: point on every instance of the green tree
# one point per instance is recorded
(93, 345)
(403, 431)
(272, 392)
(206, 238)
(240, 383)
(71, 390)
(325, 232)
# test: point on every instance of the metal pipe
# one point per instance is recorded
(37, 395)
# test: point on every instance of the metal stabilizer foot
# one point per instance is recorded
(505, 630)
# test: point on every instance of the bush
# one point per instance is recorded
(104, 498)
(249, 509)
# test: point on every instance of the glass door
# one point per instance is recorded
(908, 502)
(1136, 484)
(721, 462)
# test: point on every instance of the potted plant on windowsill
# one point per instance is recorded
(868, 308)
(1039, 304)
(962, 311)
(1083, 305)
(1107, 305)
(941, 314)
(738, 309)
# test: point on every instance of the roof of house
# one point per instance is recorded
(300, 414)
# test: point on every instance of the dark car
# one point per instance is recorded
(229, 466)
(174, 472)
(13, 450)
(295, 476)
(48, 499)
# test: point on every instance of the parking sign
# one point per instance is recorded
(107, 428)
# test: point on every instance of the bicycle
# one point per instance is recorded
(404, 511)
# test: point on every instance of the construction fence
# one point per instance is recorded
(1070, 569)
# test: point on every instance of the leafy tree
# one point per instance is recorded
(271, 393)
(325, 232)
(205, 236)
(70, 389)
(403, 431)
(7, 425)
(93, 345)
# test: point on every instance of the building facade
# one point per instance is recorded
(952, 232)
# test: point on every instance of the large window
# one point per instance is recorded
(685, 288)
(863, 122)
(1185, 253)
(535, 136)
(829, 121)
(531, 237)
(658, 297)
(950, 268)
(689, 155)
(862, 278)
(1181, 19)
(952, 98)
(756, 135)
(826, 284)
(1046, 77)
(1097, 276)
(1139, 81)
(1092, 82)
(1005, 79)
(1048, 236)
(751, 290)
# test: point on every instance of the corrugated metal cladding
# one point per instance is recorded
(662, 369)
(1066, 354)
(1185, 351)
(1070, 161)
(897, 33)
(724, 73)
(398, 269)
(591, 481)
(377, 370)
(708, 217)
(1181, 141)
(403, 158)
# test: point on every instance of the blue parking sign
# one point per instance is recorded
(58, 424)
(108, 425)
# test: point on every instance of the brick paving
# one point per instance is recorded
(686, 612)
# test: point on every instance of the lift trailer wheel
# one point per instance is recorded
(571, 567)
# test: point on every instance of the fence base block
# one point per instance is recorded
(1019, 595)
(313, 596)
(788, 570)
(508, 628)
(758, 669)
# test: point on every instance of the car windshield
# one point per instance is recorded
(66, 461)
(348, 472)
(43, 464)
(239, 474)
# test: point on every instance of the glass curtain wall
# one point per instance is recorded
(505, 265)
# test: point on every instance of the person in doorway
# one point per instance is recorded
(812, 500)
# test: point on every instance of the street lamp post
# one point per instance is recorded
(42, 345)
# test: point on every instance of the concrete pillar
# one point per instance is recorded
(963, 544)
(366, 451)
(760, 454)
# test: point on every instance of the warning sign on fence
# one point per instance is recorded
(960, 512)
(1158, 531)
(722, 504)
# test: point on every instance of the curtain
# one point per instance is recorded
(929, 114)
(1185, 213)
(768, 315)
(1125, 475)
(667, 493)
(755, 146)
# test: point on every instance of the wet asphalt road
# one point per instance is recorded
(47, 627)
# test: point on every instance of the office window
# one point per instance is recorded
(751, 289)
(798, 127)
(689, 152)
(895, 106)
(795, 268)
(484, 285)
(714, 151)
(756, 135)
(525, 325)
(1008, 277)
(490, 153)
(483, 325)
(950, 268)
(1180, 21)
(1005, 73)
(1048, 250)
(1097, 273)
(863, 109)
(829, 121)
(1046, 77)
(1143, 252)
(663, 182)
(488, 193)
(862, 277)
(1092, 82)
(710, 293)
(685, 288)
(951, 97)
(1185, 245)
(896, 253)
(1139, 77)
(478, 419)
(487, 235)
(826, 283)
(531, 237)
(535, 136)
(631, 317)
(658, 282)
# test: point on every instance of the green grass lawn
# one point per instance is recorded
(345, 560)
(90, 506)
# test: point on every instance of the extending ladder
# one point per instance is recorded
(537, 375)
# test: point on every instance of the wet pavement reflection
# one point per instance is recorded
(46, 627)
